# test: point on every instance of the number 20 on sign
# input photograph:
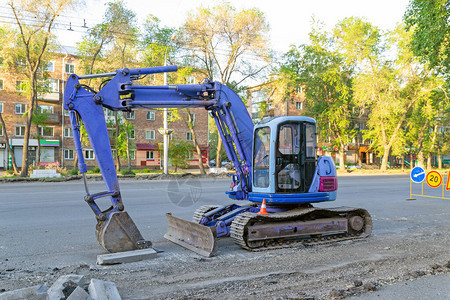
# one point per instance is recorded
(434, 179)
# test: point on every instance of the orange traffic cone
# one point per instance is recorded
(263, 210)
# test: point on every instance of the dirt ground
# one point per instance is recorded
(331, 271)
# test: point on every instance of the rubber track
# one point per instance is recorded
(241, 224)
(201, 211)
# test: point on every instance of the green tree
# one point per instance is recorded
(30, 45)
(389, 90)
(116, 38)
(178, 154)
(328, 81)
(428, 20)
(93, 44)
(124, 143)
(158, 42)
(122, 24)
(221, 39)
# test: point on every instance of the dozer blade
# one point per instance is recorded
(119, 233)
(195, 237)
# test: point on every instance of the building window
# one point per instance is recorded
(20, 85)
(133, 154)
(21, 108)
(1, 84)
(45, 109)
(190, 80)
(1, 130)
(45, 131)
(89, 154)
(130, 115)
(132, 136)
(171, 136)
(68, 132)
(1, 107)
(69, 154)
(70, 68)
(299, 105)
(150, 155)
(151, 115)
(53, 85)
(50, 67)
(188, 136)
(149, 134)
(299, 90)
(20, 130)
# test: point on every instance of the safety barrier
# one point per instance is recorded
(430, 183)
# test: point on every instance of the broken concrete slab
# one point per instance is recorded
(37, 292)
(103, 290)
(78, 294)
(55, 292)
(126, 257)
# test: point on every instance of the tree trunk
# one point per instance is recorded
(403, 162)
(341, 157)
(128, 154)
(384, 160)
(75, 160)
(421, 159)
(26, 138)
(219, 150)
(358, 156)
(117, 158)
(10, 151)
(194, 140)
(429, 161)
(420, 138)
(439, 160)
(38, 153)
(128, 146)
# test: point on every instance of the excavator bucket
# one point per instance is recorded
(119, 233)
(195, 237)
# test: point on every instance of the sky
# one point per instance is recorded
(289, 20)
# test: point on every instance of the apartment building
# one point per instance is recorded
(56, 138)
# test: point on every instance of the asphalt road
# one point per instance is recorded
(48, 225)
(51, 223)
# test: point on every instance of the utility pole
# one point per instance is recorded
(166, 129)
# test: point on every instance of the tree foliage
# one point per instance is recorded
(428, 20)
(178, 154)
(28, 47)
(221, 38)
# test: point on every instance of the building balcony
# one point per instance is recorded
(53, 119)
(51, 97)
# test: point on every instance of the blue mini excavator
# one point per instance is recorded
(274, 160)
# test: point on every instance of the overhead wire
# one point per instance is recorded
(61, 25)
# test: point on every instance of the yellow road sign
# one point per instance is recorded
(447, 188)
(434, 179)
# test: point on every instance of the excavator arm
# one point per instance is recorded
(115, 229)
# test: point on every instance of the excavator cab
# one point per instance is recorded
(284, 161)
